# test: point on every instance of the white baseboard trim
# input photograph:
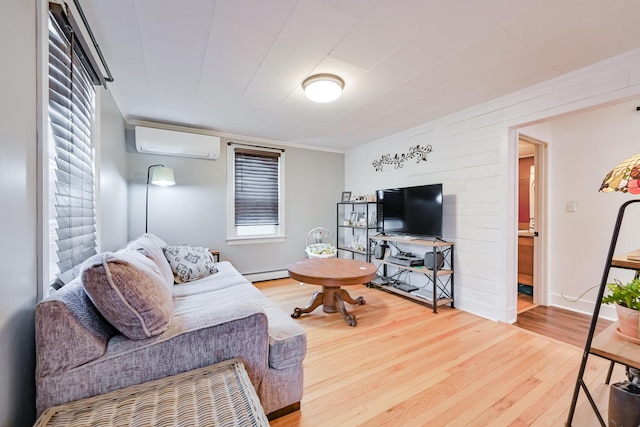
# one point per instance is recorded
(582, 306)
(266, 275)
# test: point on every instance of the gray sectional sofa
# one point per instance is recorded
(123, 321)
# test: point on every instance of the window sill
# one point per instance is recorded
(248, 240)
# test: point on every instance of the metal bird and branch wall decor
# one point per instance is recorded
(417, 152)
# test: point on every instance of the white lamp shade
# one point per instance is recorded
(323, 87)
(161, 175)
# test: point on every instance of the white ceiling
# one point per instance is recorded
(235, 66)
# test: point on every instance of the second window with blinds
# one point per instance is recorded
(255, 187)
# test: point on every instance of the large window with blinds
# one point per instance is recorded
(71, 165)
(256, 206)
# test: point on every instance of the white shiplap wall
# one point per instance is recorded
(474, 156)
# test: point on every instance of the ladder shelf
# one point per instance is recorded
(607, 344)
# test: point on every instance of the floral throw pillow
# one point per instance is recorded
(189, 263)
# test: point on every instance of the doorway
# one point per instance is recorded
(531, 289)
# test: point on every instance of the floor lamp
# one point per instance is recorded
(625, 178)
(157, 175)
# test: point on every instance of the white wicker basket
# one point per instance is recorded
(321, 250)
(320, 244)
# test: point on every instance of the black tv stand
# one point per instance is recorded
(439, 287)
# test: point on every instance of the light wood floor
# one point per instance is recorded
(525, 302)
(402, 365)
(560, 324)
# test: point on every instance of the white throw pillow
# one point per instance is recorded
(189, 263)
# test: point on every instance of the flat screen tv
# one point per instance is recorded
(411, 211)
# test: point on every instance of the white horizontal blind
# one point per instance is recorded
(71, 164)
(256, 187)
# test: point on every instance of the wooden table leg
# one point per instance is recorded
(332, 300)
(329, 305)
(357, 301)
(349, 318)
(316, 300)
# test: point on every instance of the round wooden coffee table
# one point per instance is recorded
(331, 274)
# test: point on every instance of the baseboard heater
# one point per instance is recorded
(266, 275)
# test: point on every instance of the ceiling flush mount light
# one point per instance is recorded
(323, 87)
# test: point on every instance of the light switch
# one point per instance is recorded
(571, 206)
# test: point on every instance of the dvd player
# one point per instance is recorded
(380, 281)
(405, 260)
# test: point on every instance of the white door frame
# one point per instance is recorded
(540, 282)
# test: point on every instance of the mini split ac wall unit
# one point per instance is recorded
(174, 143)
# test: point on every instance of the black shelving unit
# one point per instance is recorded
(440, 287)
(606, 344)
(356, 223)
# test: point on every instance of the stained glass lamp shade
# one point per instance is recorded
(625, 177)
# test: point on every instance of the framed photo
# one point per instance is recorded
(354, 218)
(372, 220)
(346, 196)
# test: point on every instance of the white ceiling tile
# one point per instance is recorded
(578, 48)
(401, 118)
(268, 16)
(345, 70)
(626, 21)
(513, 72)
(170, 95)
(357, 8)
(305, 110)
(386, 29)
(222, 66)
(452, 34)
(440, 75)
(497, 12)
(586, 44)
(122, 39)
(552, 19)
(400, 97)
(402, 65)
(165, 20)
(493, 46)
(158, 52)
(132, 83)
(365, 46)
(220, 99)
(417, 14)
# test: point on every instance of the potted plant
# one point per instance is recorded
(626, 298)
